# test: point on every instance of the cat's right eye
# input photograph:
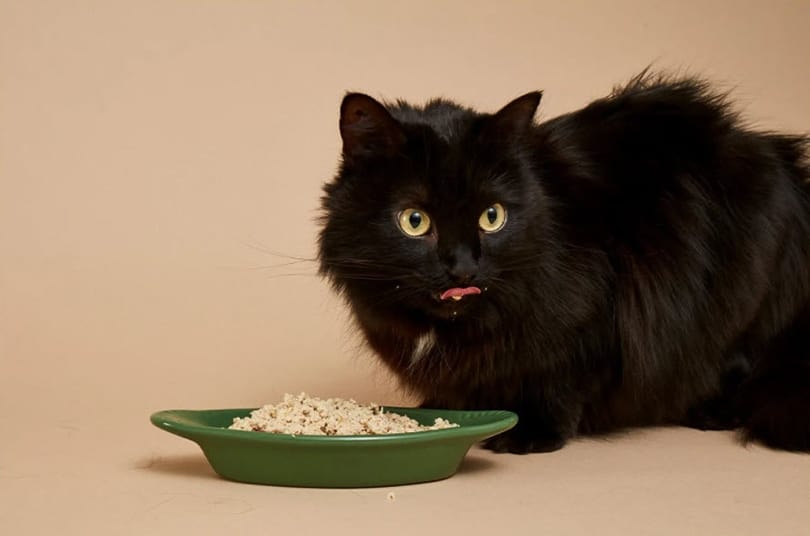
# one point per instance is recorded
(492, 219)
(414, 222)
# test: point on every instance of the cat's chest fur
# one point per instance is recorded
(422, 347)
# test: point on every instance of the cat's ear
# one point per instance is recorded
(518, 115)
(367, 128)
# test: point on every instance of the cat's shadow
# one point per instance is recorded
(191, 465)
(474, 463)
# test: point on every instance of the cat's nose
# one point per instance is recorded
(462, 268)
(462, 278)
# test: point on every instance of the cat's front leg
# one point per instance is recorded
(529, 435)
(538, 431)
(722, 411)
(522, 441)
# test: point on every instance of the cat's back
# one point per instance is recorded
(658, 140)
(652, 125)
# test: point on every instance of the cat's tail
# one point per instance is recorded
(776, 402)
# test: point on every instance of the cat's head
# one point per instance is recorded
(436, 211)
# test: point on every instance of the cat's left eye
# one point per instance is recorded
(492, 219)
(414, 222)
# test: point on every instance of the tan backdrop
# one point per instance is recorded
(154, 155)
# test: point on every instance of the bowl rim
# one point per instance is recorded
(501, 420)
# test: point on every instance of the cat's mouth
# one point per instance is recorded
(458, 293)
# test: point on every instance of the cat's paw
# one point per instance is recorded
(714, 414)
(706, 419)
(520, 444)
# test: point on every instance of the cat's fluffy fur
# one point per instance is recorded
(654, 267)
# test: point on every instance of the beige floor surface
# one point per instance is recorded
(85, 476)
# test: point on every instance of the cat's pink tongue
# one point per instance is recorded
(458, 293)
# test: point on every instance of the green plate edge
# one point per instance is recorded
(335, 461)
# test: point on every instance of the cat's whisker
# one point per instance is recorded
(365, 277)
(362, 262)
(280, 255)
(279, 265)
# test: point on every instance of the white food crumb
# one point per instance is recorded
(305, 415)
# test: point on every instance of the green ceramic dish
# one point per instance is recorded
(335, 461)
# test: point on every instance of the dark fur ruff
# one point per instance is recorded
(654, 267)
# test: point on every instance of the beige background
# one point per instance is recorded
(154, 153)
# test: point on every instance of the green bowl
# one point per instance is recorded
(335, 461)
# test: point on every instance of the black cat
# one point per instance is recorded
(642, 261)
